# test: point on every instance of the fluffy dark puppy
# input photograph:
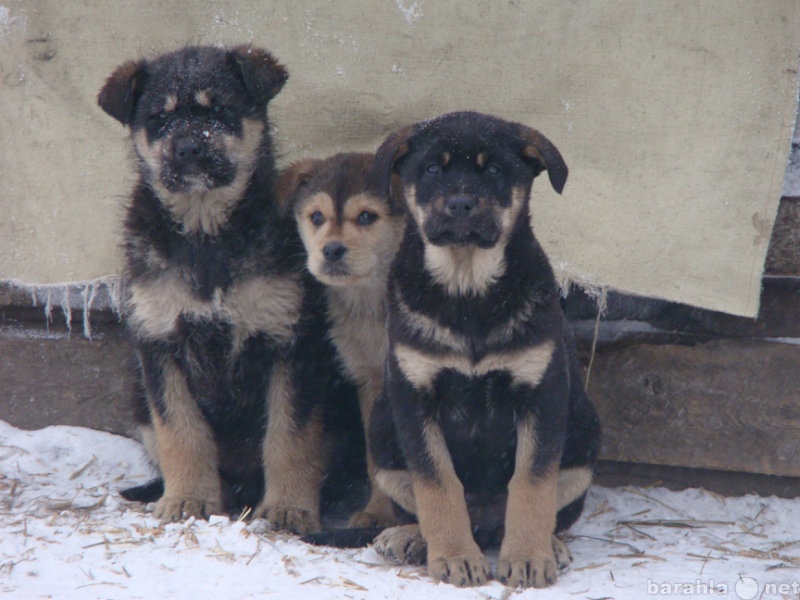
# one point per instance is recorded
(351, 233)
(483, 425)
(225, 328)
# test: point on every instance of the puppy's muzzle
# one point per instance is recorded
(463, 220)
(194, 163)
(461, 205)
(334, 251)
(186, 150)
(334, 254)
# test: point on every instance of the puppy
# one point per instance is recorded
(483, 424)
(351, 233)
(225, 328)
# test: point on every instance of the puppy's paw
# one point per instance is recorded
(294, 520)
(403, 544)
(177, 508)
(364, 519)
(462, 571)
(536, 572)
(562, 553)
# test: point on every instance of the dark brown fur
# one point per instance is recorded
(351, 233)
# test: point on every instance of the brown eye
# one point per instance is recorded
(433, 168)
(317, 218)
(366, 218)
(493, 169)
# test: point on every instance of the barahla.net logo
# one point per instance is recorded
(745, 588)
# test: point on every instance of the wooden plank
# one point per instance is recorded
(49, 377)
(728, 404)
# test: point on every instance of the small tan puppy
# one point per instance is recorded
(351, 233)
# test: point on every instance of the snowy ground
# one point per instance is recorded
(65, 533)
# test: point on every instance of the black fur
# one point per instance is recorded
(478, 414)
(212, 94)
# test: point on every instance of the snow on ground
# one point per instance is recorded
(65, 533)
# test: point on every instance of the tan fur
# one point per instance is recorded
(171, 103)
(203, 98)
(404, 544)
(204, 210)
(465, 270)
(356, 304)
(262, 305)
(431, 331)
(258, 304)
(526, 554)
(186, 454)
(572, 484)
(293, 463)
(398, 486)
(453, 554)
(525, 366)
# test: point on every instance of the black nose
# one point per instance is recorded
(460, 204)
(186, 148)
(334, 251)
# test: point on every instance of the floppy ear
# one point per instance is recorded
(120, 93)
(291, 180)
(383, 175)
(263, 76)
(541, 154)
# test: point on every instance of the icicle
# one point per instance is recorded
(48, 308)
(89, 291)
(114, 287)
(66, 308)
(602, 306)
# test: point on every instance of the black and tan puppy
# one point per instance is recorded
(351, 233)
(492, 430)
(223, 324)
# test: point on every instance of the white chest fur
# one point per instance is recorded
(358, 328)
(254, 305)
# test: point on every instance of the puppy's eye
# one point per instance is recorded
(222, 112)
(366, 217)
(433, 168)
(317, 218)
(493, 169)
(158, 118)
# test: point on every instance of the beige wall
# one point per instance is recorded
(674, 117)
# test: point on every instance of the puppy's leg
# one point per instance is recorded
(453, 555)
(187, 453)
(378, 512)
(527, 555)
(292, 458)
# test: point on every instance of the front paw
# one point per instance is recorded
(403, 544)
(535, 572)
(178, 508)
(462, 571)
(294, 520)
(562, 553)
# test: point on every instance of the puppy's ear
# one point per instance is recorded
(383, 176)
(121, 91)
(541, 154)
(291, 180)
(261, 72)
